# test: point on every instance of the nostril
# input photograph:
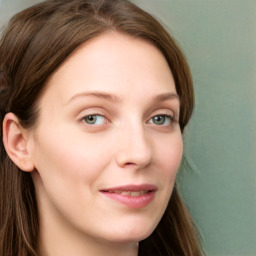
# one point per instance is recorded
(130, 164)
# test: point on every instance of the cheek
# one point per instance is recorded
(169, 159)
(170, 155)
(67, 169)
(64, 155)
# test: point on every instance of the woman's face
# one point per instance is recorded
(107, 145)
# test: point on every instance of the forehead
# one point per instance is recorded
(115, 63)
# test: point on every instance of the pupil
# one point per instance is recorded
(91, 119)
(159, 119)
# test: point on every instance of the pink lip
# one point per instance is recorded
(135, 202)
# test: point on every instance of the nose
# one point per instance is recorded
(135, 148)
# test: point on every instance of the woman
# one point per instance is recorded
(94, 98)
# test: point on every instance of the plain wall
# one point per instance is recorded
(217, 177)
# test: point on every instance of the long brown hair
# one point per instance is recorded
(36, 41)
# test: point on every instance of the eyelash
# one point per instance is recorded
(170, 119)
(166, 117)
(94, 115)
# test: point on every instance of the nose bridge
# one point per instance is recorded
(135, 147)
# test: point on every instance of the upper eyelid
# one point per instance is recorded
(99, 109)
(112, 113)
(166, 115)
(164, 111)
(94, 114)
(168, 101)
(92, 111)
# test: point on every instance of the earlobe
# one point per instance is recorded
(15, 139)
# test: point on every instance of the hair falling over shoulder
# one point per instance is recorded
(35, 43)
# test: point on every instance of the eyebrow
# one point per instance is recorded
(101, 95)
(115, 99)
(166, 96)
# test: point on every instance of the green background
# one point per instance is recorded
(217, 177)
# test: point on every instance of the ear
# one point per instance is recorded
(16, 141)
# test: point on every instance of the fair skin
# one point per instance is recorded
(106, 148)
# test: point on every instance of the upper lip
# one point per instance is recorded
(131, 187)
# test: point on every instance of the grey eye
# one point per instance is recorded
(94, 119)
(161, 120)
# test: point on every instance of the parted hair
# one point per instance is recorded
(34, 44)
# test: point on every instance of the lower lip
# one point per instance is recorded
(134, 202)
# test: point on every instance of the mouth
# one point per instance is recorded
(129, 193)
(132, 196)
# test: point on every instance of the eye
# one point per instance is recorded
(94, 119)
(161, 120)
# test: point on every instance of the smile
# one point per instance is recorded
(130, 193)
(132, 196)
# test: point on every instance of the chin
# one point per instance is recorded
(133, 233)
